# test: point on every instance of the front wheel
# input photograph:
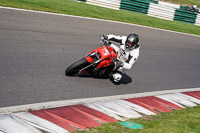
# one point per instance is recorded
(75, 67)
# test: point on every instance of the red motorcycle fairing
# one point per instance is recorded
(104, 53)
(89, 59)
(99, 62)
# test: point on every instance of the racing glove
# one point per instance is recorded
(104, 37)
(104, 40)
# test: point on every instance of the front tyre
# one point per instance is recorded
(75, 67)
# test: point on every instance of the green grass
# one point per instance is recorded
(180, 121)
(82, 9)
(184, 2)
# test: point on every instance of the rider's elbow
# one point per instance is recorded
(127, 66)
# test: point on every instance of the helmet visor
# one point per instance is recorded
(128, 45)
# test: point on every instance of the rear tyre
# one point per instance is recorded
(75, 67)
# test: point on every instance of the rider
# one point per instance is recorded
(128, 52)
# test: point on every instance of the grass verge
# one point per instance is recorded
(86, 10)
(180, 121)
(184, 2)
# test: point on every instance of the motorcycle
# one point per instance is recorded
(100, 62)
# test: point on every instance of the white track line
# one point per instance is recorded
(53, 104)
(42, 12)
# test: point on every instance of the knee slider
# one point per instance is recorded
(117, 77)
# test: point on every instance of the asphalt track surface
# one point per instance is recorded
(36, 48)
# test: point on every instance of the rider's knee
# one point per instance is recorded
(117, 76)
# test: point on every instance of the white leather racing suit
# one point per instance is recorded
(127, 57)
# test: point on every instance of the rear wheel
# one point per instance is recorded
(75, 67)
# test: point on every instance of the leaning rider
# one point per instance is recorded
(128, 52)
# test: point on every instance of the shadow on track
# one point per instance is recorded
(126, 79)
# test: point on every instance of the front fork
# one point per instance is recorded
(93, 59)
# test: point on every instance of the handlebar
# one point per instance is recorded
(104, 42)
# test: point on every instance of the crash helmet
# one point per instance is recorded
(132, 41)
